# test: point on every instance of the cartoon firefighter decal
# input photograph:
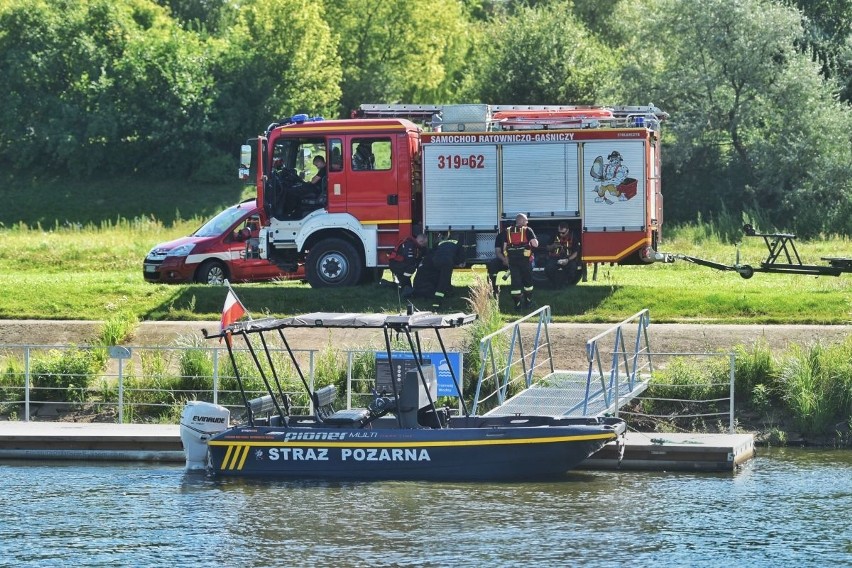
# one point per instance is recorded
(612, 179)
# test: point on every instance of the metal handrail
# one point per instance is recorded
(630, 360)
(501, 374)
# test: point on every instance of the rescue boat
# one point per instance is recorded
(402, 434)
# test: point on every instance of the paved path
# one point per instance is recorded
(569, 339)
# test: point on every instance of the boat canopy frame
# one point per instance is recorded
(409, 325)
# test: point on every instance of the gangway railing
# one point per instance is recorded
(608, 384)
(513, 379)
(516, 365)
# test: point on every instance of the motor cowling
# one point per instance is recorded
(199, 422)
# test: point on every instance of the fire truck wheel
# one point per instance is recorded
(333, 262)
(211, 272)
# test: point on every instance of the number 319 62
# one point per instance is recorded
(455, 162)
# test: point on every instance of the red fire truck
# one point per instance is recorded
(468, 169)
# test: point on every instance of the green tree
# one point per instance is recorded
(99, 86)
(755, 128)
(199, 14)
(398, 50)
(827, 29)
(541, 55)
(281, 60)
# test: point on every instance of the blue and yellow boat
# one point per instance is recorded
(402, 434)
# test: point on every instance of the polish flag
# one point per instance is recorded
(232, 311)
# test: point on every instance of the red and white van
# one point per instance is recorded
(225, 247)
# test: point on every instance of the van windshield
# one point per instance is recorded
(222, 222)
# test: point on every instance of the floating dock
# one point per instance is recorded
(676, 452)
(161, 443)
(90, 441)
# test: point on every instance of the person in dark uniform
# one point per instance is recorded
(322, 171)
(363, 158)
(446, 256)
(434, 277)
(518, 245)
(497, 264)
(405, 259)
(562, 267)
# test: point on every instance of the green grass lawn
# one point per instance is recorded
(74, 251)
(95, 272)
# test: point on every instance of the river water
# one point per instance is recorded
(786, 507)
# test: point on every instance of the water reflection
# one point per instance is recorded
(786, 506)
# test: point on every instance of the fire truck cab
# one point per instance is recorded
(465, 169)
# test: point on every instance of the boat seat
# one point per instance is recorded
(323, 400)
(262, 405)
(352, 417)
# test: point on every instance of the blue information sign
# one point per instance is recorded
(446, 387)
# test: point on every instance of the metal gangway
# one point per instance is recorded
(517, 374)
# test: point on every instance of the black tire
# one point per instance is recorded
(746, 271)
(212, 273)
(331, 263)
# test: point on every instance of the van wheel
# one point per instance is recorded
(212, 273)
(333, 262)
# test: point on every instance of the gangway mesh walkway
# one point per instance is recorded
(517, 376)
(563, 393)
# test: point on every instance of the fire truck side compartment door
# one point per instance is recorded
(540, 179)
(460, 186)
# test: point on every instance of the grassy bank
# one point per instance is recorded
(95, 271)
(74, 251)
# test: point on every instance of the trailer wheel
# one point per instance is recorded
(212, 273)
(746, 271)
(333, 262)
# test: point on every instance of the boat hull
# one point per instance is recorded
(450, 454)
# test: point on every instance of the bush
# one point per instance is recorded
(12, 380)
(64, 376)
(482, 303)
(816, 386)
(686, 389)
(754, 368)
(117, 329)
(196, 370)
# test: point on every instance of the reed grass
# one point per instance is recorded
(815, 383)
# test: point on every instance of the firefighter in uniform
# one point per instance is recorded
(519, 243)
(497, 264)
(434, 277)
(563, 259)
(405, 259)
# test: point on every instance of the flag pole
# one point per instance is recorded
(237, 298)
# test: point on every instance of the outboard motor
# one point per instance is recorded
(199, 422)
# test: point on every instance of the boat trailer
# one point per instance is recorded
(778, 244)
